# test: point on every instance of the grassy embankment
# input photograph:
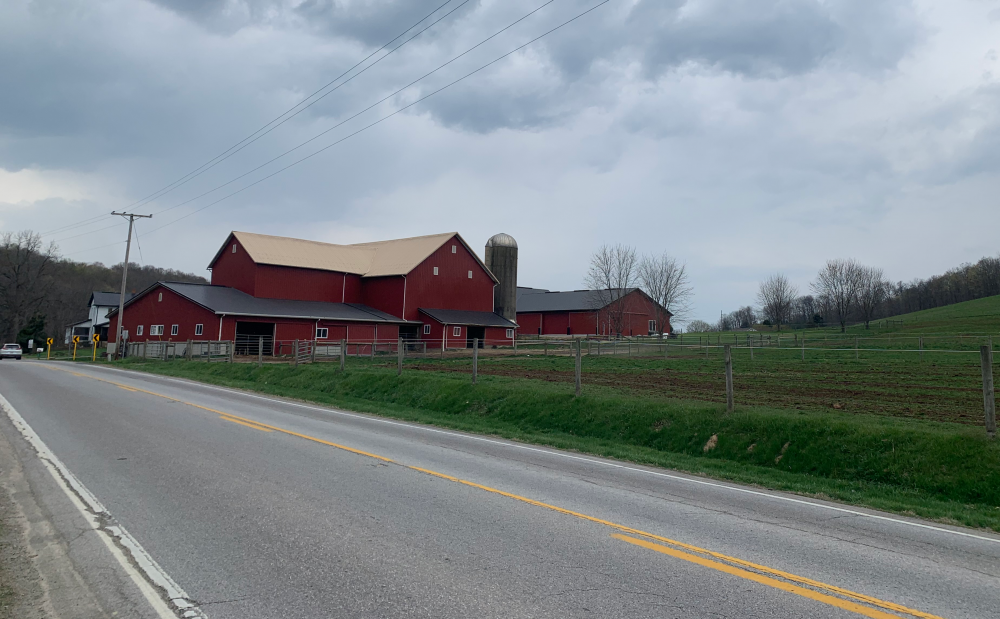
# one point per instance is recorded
(981, 316)
(940, 470)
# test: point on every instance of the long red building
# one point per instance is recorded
(430, 287)
(583, 312)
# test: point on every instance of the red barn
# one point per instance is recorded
(582, 312)
(430, 287)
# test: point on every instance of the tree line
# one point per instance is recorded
(846, 291)
(42, 293)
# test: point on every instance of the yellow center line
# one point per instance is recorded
(127, 388)
(759, 578)
(243, 423)
(720, 563)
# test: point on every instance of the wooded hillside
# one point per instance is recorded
(41, 293)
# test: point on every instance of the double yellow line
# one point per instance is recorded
(812, 589)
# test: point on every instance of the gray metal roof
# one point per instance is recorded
(467, 317)
(109, 299)
(233, 302)
(537, 300)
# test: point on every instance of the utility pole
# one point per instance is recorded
(121, 300)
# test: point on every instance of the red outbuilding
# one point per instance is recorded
(431, 287)
(587, 312)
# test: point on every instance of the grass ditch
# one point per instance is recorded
(941, 471)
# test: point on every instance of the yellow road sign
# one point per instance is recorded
(76, 339)
(97, 337)
(49, 341)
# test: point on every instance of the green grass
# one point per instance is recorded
(944, 471)
(978, 317)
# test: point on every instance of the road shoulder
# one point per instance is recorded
(54, 564)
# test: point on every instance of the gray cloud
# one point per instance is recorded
(745, 137)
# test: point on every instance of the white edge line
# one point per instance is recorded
(91, 508)
(552, 452)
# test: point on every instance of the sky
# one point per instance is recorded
(742, 137)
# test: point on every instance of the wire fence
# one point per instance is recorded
(940, 382)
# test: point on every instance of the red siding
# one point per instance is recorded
(172, 310)
(352, 290)
(235, 270)
(640, 312)
(451, 288)
(276, 282)
(384, 293)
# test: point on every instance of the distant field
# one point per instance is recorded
(979, 317)
(944, 387)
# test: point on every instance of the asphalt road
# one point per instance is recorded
(259, 507)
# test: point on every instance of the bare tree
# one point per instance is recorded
(745, 317)
(776, 296)
(666, 282)
(614, 271)
(872, 291)
(838, 282)
(24, 265)
(699, 326)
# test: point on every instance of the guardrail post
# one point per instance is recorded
(989, 399)
(729, 378)
(399, 362)
(475, 359)
(579, 366)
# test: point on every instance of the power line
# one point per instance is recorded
(267, 128)
(356, 114)
(366, 127)
(68, 227)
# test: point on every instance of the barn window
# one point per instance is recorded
(457, 332)
(427, 329)
(160, 298)
(322, 333)
(156, 329)
(435, 270)
(470, 274)
(138, 330)
(652, 326)
(454, 249)
(173, 329)
(198, 329)
(234, 248)
(510, 334)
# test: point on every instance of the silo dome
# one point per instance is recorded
(501, 240)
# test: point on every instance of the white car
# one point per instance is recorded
(10, 350)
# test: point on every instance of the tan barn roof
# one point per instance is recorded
(378, 259)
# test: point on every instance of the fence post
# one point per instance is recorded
(343, 354)
(857, 355)
(260, 352)
(312, 353)
(920, 344)
(729, 379)
(399, 355)
(803, 347)
(187, 351)
(546, 348)
(750, 345)
(475, 359)
(579, 366)
(295, 354)
(989, 400)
